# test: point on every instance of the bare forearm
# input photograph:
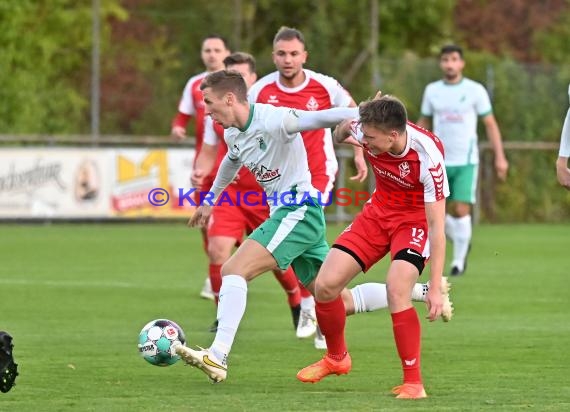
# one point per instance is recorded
(563, 172)
(565, 137)
(494, 136)
(437, 256)
(435, 214)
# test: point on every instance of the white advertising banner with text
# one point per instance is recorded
(92, 183)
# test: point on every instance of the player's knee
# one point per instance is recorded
(325, 291)
(246, 268)
(397, 295)
(231, 267)
(218, 253)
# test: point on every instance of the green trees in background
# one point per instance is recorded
(150, 48)
(519, 50)
(45, 58)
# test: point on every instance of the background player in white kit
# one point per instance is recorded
(455, 102)
(562, 171)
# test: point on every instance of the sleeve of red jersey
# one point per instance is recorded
(433, 176)
(181, 120)
(185, 106)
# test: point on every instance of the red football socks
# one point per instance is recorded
(407, 333)
(331, 317)
(290, 285)
(305, 293)
(214, 272)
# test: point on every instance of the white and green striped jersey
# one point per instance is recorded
(455, 109)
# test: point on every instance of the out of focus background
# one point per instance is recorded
(110, 73)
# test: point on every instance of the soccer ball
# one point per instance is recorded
(157, 341)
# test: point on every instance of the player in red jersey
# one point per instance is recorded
(244, 210)
(405, 217)
(293, 86)
(214, 51)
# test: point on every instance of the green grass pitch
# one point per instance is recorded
(75, 297)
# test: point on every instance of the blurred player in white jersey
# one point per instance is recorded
(562, 170)
(214, 51)
(454, 103)
(293, 86)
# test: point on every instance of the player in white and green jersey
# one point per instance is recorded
(562, 170)
(453, 105)
(266, 140)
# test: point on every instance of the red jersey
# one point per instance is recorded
(192, 104)
(405, 182)
(318, 92)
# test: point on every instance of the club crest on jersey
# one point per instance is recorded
(261, 142)
(312, 104)
(404, 169)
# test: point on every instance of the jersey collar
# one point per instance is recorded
(249, 119)
(453, 84)
(406, 149)
(294, 89)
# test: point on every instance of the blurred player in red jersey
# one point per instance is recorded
(214, 51)
(243, 213)
(408, 165)
(293, 86)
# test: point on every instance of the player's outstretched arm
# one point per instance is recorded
(301, 120)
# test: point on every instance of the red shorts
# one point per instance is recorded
(232, 220)
(371, 236)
